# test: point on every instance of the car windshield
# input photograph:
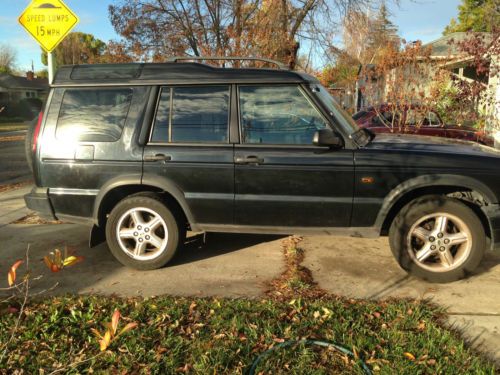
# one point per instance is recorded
(341, 117)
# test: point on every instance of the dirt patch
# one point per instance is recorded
(33, 218)
(296, 280)
(12, 138)
(18, 185)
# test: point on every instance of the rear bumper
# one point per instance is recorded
(492, 211)
(38, 200)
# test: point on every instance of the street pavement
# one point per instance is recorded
(13, 165)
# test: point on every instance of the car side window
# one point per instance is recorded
(278, 115)
(192, 114)
(433, 119)
(93, 115)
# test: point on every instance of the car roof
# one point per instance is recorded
(171, 73)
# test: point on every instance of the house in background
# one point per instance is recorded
(14, 88)
(445, 54)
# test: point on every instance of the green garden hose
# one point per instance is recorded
(325, 344)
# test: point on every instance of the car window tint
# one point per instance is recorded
(277, 115)
(160, 129)
(93, 115)
(200, 114)
(414, 117)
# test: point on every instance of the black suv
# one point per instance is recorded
(144, 152)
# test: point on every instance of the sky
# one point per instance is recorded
(415, 19)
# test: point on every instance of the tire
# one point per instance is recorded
(438, 239)
(140, 246)
(28, 143)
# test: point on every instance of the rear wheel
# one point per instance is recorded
(437, 238)
(142, 233)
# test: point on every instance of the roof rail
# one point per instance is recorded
(229, 58)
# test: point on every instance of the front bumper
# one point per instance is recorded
(38, 200)
(492, 212)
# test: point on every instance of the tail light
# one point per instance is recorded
(36, 132)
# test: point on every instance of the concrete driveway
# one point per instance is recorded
(225, 265)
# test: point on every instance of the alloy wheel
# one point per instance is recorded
(439, 242)
(142, 233)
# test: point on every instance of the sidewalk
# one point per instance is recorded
(365, 268)
(12, 206)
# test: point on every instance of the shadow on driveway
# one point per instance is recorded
(226, 265)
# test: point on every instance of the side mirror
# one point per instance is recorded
(328, 138)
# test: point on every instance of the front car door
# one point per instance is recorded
(281, 179)
(189, 151)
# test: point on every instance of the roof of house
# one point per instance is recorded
(14, 82)
(446, 46)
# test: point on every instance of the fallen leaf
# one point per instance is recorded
(11, 276)
(410, 356)
(114, 321)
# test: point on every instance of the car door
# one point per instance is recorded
(189, 150)
(281, 178)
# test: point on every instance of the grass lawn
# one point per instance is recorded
(224, 336)
(10, 127)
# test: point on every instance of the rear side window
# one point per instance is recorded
(93, 115)
(192, 115)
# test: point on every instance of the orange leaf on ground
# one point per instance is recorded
(128, 327)
(11, 277)
(114, 321)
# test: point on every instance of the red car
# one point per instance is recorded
(381, 120)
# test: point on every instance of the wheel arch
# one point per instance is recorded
(118, 189)
(440, 185)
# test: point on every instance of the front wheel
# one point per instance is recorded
(142, 233)
(438, 239)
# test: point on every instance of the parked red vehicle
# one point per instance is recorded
(416, 120)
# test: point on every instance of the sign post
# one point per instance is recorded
(49, 22)
(50, 67)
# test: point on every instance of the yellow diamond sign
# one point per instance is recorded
(48, 21)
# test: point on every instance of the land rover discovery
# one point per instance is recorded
(144, 152)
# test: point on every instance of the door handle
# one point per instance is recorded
(157, 157)
(248, 160)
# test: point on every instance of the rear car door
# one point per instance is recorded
(281, 178)
(189, 150)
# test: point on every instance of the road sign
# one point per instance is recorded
(48, 21)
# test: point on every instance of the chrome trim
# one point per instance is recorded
(68, 191)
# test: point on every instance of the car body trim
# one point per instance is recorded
(291, 198)
(67, 191)
(361, 232)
